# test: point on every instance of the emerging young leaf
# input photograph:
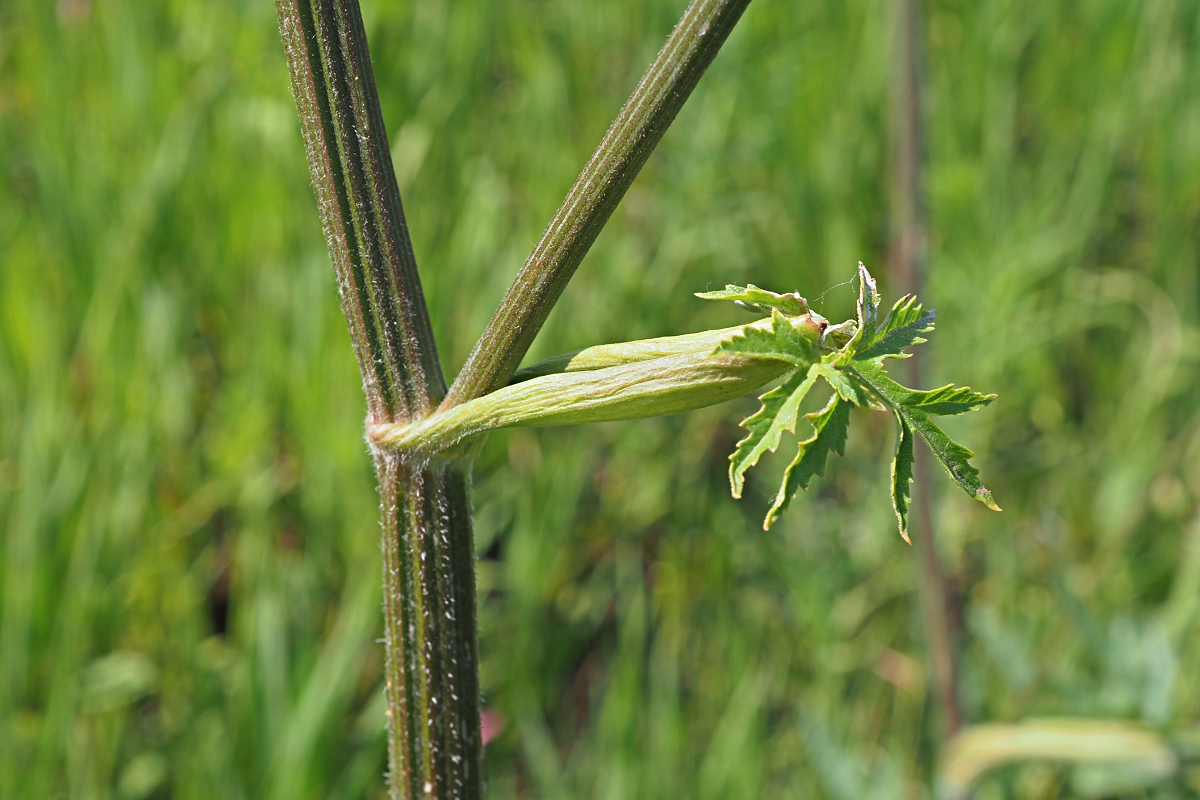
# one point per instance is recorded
(765, 427)
(829, 434)
(902, 328)
(849, 356)
(791, 339)
(753, 298)
(902, 474)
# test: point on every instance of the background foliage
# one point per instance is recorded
(188, 537)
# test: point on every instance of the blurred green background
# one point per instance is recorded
(189, 568)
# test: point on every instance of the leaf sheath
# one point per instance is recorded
(653, 388)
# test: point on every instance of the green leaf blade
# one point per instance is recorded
(953, 456)
(766, 426)
(902, 328)
(782, 342)
(917, 408)
(757, 299)
(848, 385)
(902, 474)
(949, 400)
(830, 426)
(868, 309)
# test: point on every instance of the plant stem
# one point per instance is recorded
(908, 256)
(621, 154)
(428, 578)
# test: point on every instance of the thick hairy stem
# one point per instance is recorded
(599, 188)
(428, 581)
(360, 206)
(434, 743)
(908, 257)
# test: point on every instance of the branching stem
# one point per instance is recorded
(630, 140)
(434, 746)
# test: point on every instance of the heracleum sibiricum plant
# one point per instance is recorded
(656, 377)
(423, 434)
